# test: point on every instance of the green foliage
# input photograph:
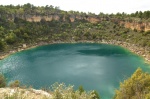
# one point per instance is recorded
(61, 91)
(2, 81)
(81, 89)
(140, 14)
(11, 38)
(135, 87)
(2, 46)
(96, 95)
(16, 83)
(146, 33)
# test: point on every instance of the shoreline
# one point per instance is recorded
(141, 51)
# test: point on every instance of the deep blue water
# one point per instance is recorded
(94, 66)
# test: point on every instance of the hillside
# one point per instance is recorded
(25, 26)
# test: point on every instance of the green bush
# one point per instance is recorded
(136, 87)
(61, 91)
(16, 83)
(81, 89)
(2, 45)
(95, 95)
(11, 38)
(2, 81)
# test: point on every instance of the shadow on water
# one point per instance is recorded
(104, 52)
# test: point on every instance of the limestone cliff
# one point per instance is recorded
(56, 17)
(140, 26)
(127, 23)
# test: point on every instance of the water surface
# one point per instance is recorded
(94, 66)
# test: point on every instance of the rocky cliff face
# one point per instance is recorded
(140, 26)
(56, 17)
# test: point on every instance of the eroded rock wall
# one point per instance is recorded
(140, 26)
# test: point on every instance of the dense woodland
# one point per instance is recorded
(18, 31)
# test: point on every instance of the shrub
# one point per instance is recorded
(95, 95)
(11, 38)
(135, 30)
(2, 45)
(2, 81)
(16, 83)
(81, 89)
(136, 87)
(61, 91)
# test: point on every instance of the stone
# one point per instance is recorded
(24, 45)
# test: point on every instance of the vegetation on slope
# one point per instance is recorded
(14, 33)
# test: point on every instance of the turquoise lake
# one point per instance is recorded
(94, 66)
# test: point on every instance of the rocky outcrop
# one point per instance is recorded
(135, 25)
(50, 17)
(19, 93)
(93, 19)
